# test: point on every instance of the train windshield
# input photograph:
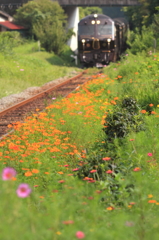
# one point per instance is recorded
(104, 29)
(86, 30)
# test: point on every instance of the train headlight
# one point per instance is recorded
(83, 40)
(98, 21)
(108, 40)
(95, 15)
(93, 22)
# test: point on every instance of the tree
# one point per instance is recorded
(46, 21)
(155, 24)
(142, 15)
(84, 11)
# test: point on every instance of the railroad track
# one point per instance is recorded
(19, 111)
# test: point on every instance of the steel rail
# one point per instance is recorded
(40, 94)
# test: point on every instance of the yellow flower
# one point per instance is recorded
(150, 196)
(110, 208)
(58, 233)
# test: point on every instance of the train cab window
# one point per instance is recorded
(86, 30)
(104, 29)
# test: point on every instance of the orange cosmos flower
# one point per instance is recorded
(113, 102)
(150, 196)
(92, 171)
(14, 179)
(41, 197)
(28, 174)
(106, 158)
(151, 104)
(143, 111)
(110, 208)
(152, 201)
(35, 171)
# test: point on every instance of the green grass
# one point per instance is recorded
(50, 149)
(27, 67)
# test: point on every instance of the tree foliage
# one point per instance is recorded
(142, 15)
(46, 21)
(139, 42)
(155, 24)
(85, 11)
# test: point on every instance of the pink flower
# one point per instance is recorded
(149, 154)
(8, 173)
(61, 181)
(137, 169)
(21, 69)
(23, 190)
(109, 171)
(75, 169)
(68, 222)
(80, 235)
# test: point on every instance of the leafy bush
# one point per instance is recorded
(126, 118)
(119, 123)
(9, 40)
(46, 22)
(139, 42)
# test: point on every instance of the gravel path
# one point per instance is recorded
(11, 100)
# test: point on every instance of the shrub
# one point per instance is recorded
(9, 40)
(139, 42)
(126, 118)
(46, 22)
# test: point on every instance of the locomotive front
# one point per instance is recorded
(96, 40)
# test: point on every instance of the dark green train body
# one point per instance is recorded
(101, 39)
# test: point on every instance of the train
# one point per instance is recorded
(101, 39)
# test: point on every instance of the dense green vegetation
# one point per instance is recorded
(87, 167)
(46, 22)
(84, 11)
(29, 65)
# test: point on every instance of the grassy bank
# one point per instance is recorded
(27, 66)
(89, 162)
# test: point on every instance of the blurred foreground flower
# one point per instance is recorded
(137, 169)
(80, 235)
(149, 154)
(8, 173)
(23, 190)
